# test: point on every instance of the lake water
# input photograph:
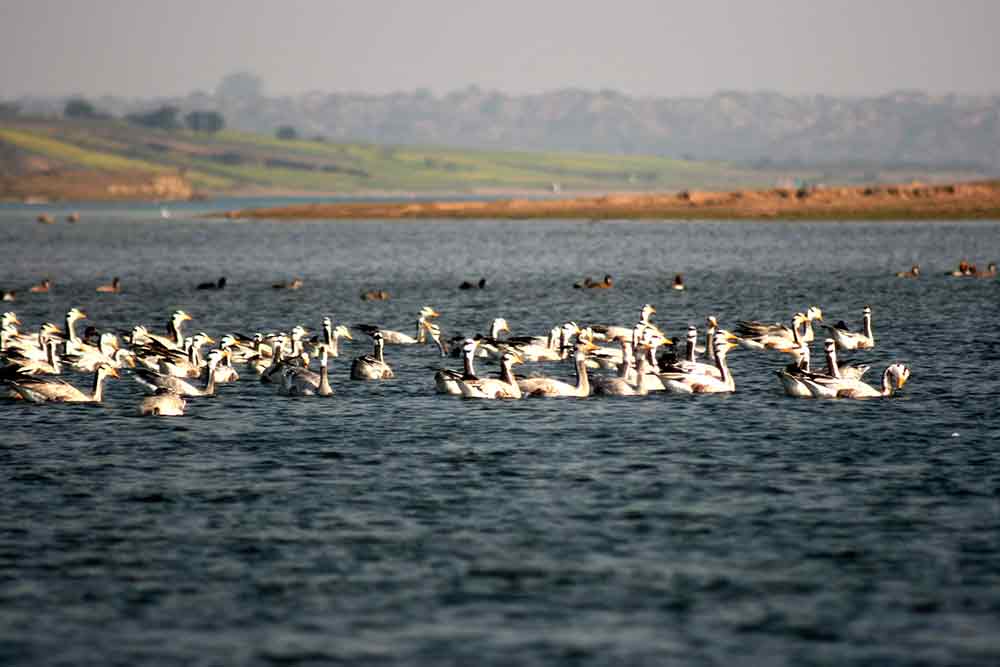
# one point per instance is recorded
(391, 525)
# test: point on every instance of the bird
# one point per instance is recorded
(678, 283)
(893, 378)
(607, 283)
(446, 380)
(375, 295)
(41, 288)
(8, 295)
(73, 217)
(114, 287)
(505, 386)
(854, 340)
(299, 381)
(698, 383)
(391, 337)
(622, 385)
(220, 284)
(295, 283)
(164, 403)
(550, 387)
(760, 335)
(372, 366)
(152, 380)
(467, 285)
(990, 272)
(914, 272)
(55, 390)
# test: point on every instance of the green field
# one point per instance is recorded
(232, 162)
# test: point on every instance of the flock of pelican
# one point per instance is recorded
(620, 360)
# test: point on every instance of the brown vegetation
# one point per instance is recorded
(914, 200)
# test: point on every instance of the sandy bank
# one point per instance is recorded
(911, 201)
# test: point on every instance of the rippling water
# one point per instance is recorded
(388, 524)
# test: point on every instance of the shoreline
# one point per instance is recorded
(915, 201)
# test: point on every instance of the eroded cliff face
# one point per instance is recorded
(58, 184)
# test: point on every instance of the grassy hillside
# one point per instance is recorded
(233, 163)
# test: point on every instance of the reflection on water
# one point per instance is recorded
(390, 524)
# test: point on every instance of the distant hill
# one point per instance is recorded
(106, 158)
(903, 129)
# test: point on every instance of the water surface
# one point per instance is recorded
(388, 524)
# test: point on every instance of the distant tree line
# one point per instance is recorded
(166, 117)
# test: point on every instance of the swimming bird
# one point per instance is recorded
(8, 295)
(467, 285)
(893, 379)
(550, 387)
(299, 381)
(673, 369)
(505, 386)
(41, 390)
(220, 284)
(42, 287)
(295, 283)
(612, 332)
(152, 380)
(678, 283)
(164, 403)
(375, 295)
(622, 385)
(914, 272)
(990, 272)
(115, 287)
(446, 380)
(397, 337)
(372, 366)
(332, 336)
(853, 340)
(698, 383)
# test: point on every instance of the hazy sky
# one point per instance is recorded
(640, 47)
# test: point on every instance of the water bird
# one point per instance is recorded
(372, 366)
(41, 288)
(114, 287)
(164, 403)
(299, 381)
(45, 219)
(152, 380)
(446, 380)
(219, 284)
(914, 272)
(698, 383)
(893, 379)
(8, 295)
(467, 285)
(42, 390)
(678, 283)
(854, 340)
(505, 386)
(399, 338)
(295, 283)
(73, 217)
(375, 295)
(550, 387)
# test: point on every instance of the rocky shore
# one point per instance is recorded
(887, 202)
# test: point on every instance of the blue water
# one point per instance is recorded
(391, 525)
